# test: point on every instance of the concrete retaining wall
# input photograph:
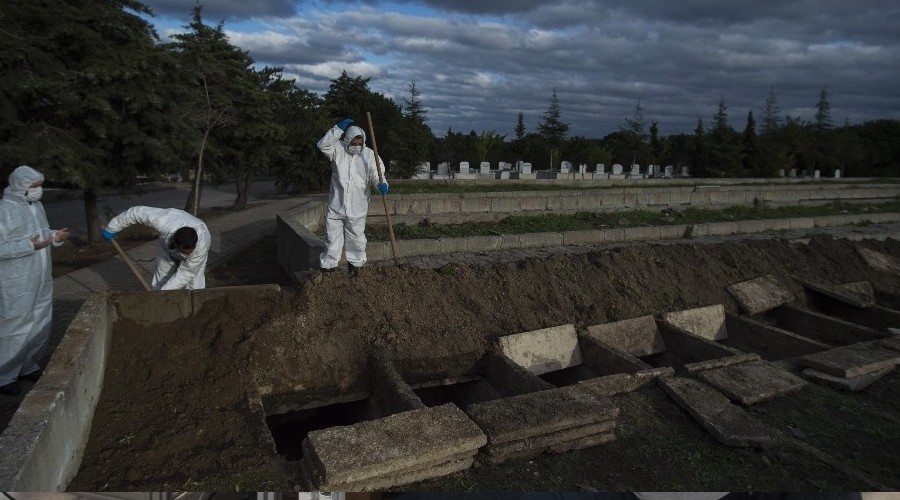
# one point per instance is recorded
(623, 198)
(381, 250)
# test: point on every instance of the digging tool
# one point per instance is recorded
(134, 269)
(387, 213)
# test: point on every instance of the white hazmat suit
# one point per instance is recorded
(348, 198)
(174, 270)
(26, 279)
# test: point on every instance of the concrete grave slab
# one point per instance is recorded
(728, 423)
(760, 294)
(879, 261)
(852, 360)
(636, 336)
(544, 350)
(892, 343)
(551, 438)
(754, 382)
(707, 322)
(560, 447)
(858, 294)
(391, 445)
(857, 383)
(716, 363)
(619, 383)
(529, 415)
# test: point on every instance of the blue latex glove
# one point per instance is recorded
(108, 235)
(383, 188)
(346, 122)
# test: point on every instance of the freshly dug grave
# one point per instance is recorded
(179, 408)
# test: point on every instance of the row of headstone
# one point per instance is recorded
(423, 169)
(817, 174)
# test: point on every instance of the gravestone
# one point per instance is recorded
(792, 173)
(684, 171)
(816, 174)
(781, 172)
(617, 169)
(464, 167)
(669, 172)
(443, 168)
(485, 167)
(601, 168)
(525, 168)
(504, 174)
(837, 173)
(565, 167)
(582, 168)
(635, 170)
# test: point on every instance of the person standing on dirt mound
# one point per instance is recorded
(353, 169)
(26, 278)
(183, 245)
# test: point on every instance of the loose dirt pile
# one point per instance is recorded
(180, 404)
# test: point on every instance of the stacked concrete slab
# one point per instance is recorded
(551, 421)
(400, 449)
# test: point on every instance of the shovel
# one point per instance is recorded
(387, 213)
(134, 269)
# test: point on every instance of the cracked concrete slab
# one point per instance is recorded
(853, 360)
(760, 294)
(728, 423)
(636, 336)
(857, 383)
(754, 382)
(707, 322)
(544, 350)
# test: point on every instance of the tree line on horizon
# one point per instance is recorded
(92, 98)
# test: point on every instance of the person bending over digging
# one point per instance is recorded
(183, 245)
(353, 170)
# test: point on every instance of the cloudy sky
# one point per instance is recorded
(478, 63)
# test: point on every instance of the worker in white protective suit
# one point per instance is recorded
(26, 279)
(183, 245)
(353, 170)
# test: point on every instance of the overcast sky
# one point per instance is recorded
(478, 63)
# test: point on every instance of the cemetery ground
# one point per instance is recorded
(159, 440)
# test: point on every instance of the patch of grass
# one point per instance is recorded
(519, 224)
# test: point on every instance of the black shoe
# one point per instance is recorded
(353, 269)
(33, 376)
(10, 389)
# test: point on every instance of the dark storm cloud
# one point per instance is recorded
(478, 64)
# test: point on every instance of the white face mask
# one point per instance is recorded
(34, 194)
(354, 150)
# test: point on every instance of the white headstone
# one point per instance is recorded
(423, 170)
(657, 171)
(837, 173)
(669, 172)
(526, 168)
(792, 173)
(684, 171)
(635, 170)
(582, 168)
(781, 172)
(485, 167)
(565, 167)
(601, 168)
(464, 167)
(443, 168)
(816, 174)
(617, 169)
(504, 174)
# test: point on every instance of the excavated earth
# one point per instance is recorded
(177, 412)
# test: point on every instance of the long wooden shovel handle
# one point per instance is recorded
(134, 269)
(387, 213)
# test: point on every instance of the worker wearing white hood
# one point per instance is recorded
(26, 278)
(353, 170)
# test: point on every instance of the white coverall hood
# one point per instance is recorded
(19, 181)
(351, 132)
